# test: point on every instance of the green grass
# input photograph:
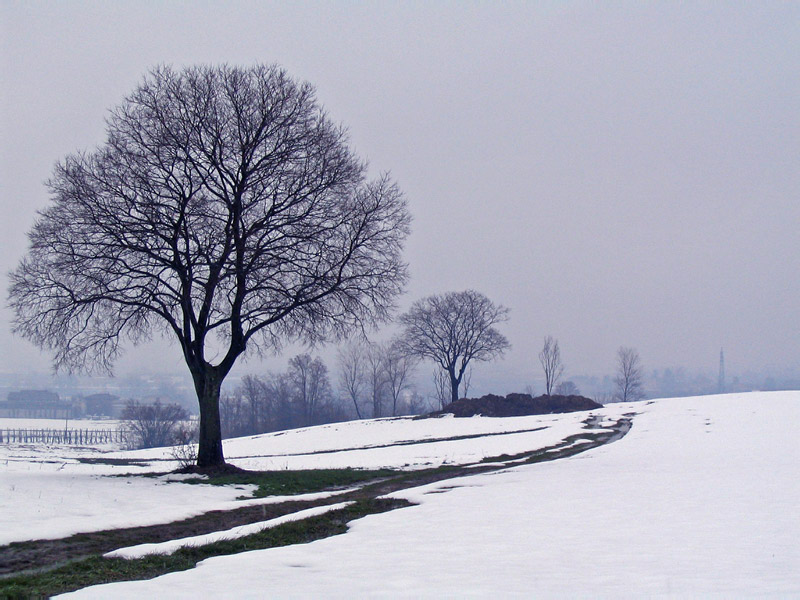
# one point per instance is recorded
(96, 569)
(273, 483)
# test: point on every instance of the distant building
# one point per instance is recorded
(38, 404)
(33, 397)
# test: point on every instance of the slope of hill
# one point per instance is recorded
(699, 499)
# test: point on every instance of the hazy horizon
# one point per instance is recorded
(623, 174)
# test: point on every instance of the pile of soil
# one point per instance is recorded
(516, 405)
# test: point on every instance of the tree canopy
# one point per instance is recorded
(452, 330)
(224, 210)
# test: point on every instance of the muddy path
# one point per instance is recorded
(42, 555)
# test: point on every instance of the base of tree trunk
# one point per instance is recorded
(220, 469)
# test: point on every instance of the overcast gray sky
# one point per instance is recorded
(615, 173)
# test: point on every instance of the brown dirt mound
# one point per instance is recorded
(517, 405)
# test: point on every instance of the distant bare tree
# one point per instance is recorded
(253, 392)
(151, 425)
(232, 415)
(225, 211)
(629, 380)
(443, 393)
(453, 329)
(311, 385)
(398, 368)
(550, 357)
(282, 391)
(351, 373)
(466, 381)
(375, 376)
(603, 397)
(567, 388)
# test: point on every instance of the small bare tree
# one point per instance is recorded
(351, 373)
(452, 330)
(253, 392)
(375, 377)
(550, 357)
(398, 369)
(151, 425)
(442, 392)
(629, 380)
(281, 390)
(312, 389)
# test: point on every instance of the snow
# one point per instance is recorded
(53, 504)
(700, 499)
(49, 500)
(385, 443)
(171, 546)
(46, 492)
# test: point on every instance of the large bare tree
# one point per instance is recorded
(629, 381)
(452, 330)
(224, 210)
(550, 358)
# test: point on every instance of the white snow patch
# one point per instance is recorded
(700, 499)
(390, 443)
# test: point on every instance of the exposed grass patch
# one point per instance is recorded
(275, 483)
(96, 569)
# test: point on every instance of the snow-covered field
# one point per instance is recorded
(394, 442)
(701, 498)
(46, 492)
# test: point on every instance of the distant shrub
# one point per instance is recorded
(151, 425)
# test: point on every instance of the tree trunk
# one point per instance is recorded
(209, 453)
(358, 410)
(454, 385)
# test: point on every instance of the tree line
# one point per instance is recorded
(371, 381)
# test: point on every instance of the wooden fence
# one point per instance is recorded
(78, 437)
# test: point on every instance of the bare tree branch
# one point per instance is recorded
(630, 377)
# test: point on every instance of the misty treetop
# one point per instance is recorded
(224, 209)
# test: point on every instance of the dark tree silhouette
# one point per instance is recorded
(452, 330)
(225, 210)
